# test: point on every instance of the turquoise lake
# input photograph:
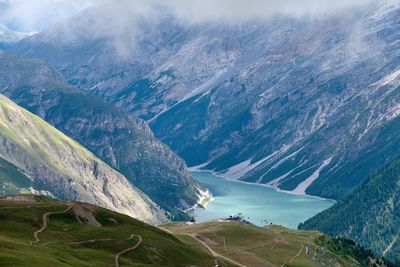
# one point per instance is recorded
(258, 204)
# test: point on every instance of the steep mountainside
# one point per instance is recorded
(370, 215)
(298, 104)
(122, 141)
(79, 234)
(57, 164)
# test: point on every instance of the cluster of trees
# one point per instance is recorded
(370, 215)
(347, 248)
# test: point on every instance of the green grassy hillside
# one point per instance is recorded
(86, 235)
(276, 245)
(38, 231)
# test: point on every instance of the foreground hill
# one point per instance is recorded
(123, 142)
(276, 245)
(57, 164)
(37, 231)
(370, 215)
(307, 105)
(78, 234)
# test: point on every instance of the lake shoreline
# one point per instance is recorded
(198, 169)
(260, 205)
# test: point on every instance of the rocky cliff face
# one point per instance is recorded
(57, 164)
(122, 141)
(298, 104)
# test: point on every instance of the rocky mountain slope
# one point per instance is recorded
(57, 164)
(295, 103)
(122, 141)
(369, 215)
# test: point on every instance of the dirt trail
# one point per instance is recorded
(215, 254)
(26, 207)
(225, 247)
(45, 219)
(128, 249)
(295, 256)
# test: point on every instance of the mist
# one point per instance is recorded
(36, 15)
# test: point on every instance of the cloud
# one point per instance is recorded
(121, 23)
(35, 15)
(38, 14)
(248, 9)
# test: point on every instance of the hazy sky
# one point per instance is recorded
(34, 15)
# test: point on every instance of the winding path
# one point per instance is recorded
(128, 249)
(45, 219)
(215, 254)
(26, 207)
(295, 256)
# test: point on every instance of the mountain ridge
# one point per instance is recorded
(122, 141)
(60, 165)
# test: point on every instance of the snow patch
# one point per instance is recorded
(276, 165)
(302, 187)
(275, 183)
(198, 167)
(239, 170)
(41, 192)
(391, 79)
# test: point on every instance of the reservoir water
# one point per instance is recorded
(258, 204)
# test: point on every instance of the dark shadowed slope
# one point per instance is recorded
(370, 215)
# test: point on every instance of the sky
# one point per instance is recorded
(35, 15)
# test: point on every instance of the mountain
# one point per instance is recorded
(80, 234)
(308, 105)
(9, 37)
(369, 215)
(46, 160)
(122, 141)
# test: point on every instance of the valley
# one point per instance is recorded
(200, 133)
